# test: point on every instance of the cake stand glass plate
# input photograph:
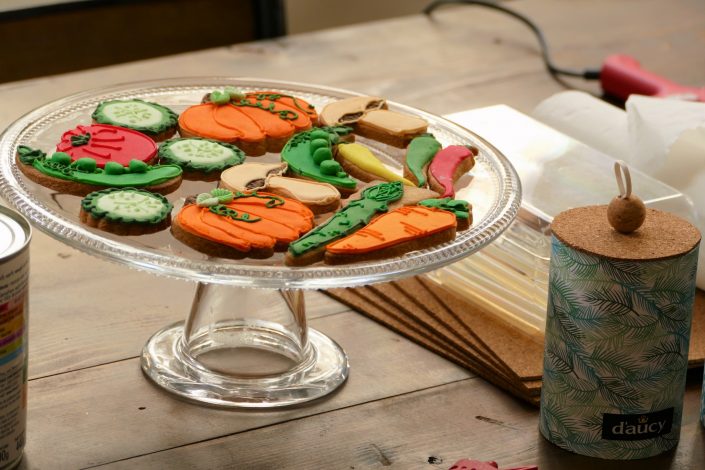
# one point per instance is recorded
(279, 361)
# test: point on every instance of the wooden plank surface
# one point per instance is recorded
(432, 428)
(402, 404)
(111, 412)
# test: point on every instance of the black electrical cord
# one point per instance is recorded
(587, 74)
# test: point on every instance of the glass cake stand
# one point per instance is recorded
(245, 342)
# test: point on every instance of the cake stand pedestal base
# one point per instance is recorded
(244, 347)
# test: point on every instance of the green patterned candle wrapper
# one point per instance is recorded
(616, 352)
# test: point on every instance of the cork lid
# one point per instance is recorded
(662, 235)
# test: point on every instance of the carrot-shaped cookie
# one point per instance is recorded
(394, 233)
(237, 225)
(461, 209)
(311, 247)
(448, 165)
(419, 154)
(361, 163)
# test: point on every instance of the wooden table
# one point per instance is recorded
(403, 407)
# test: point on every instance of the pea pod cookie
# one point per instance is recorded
(83, 176)
(309, 155)
(201, 159)
(126, 211)
(152, 119)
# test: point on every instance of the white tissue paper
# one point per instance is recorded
(662, 137)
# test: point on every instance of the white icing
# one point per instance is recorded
(332, 113)
(237, 177)
(133, 113)
(130, 205)
(304, 191)
(396, 123)
(200, 151)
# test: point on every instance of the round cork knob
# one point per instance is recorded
(626, 212)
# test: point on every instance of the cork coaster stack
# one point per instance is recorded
(621, 292)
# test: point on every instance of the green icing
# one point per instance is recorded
(308, 154)
(139, 115)
(199, 154)
(85, 170)
(351, 218)
(225, 211)
(460, 208)
(214, 197)
(237, 98)
(127, 205)
(78, 140)
(420, 152)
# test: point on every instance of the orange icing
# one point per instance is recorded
(278, 225)
(233, 118)
(230, 123)
(395, 227)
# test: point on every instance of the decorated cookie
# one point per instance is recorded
(358, 213)
(257, 122)
(361, 163)
(201, 159)
(369, 117)
(448, 165)
(319, 197)
(418, 157)
(126, 211)
(105, 143)
(411, 195)
(310, 156)
(155, 120)
(394, 233)
(237, 225)
(390, 127)
(349, 111)
(250, 176)
(83, 176)
(461, 209)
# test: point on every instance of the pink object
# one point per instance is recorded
(622, 75)
(445, 164)
(467, 464)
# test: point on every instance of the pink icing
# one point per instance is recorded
(444, 165)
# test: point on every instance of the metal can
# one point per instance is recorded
(15, 234)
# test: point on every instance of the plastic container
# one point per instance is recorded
(509, 278)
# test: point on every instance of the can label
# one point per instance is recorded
(13, 356)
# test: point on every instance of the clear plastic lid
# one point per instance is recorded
(510, 277)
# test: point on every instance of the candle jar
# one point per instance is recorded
(617, 333)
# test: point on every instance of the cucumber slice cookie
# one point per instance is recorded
(155, 120)
(126, 211)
